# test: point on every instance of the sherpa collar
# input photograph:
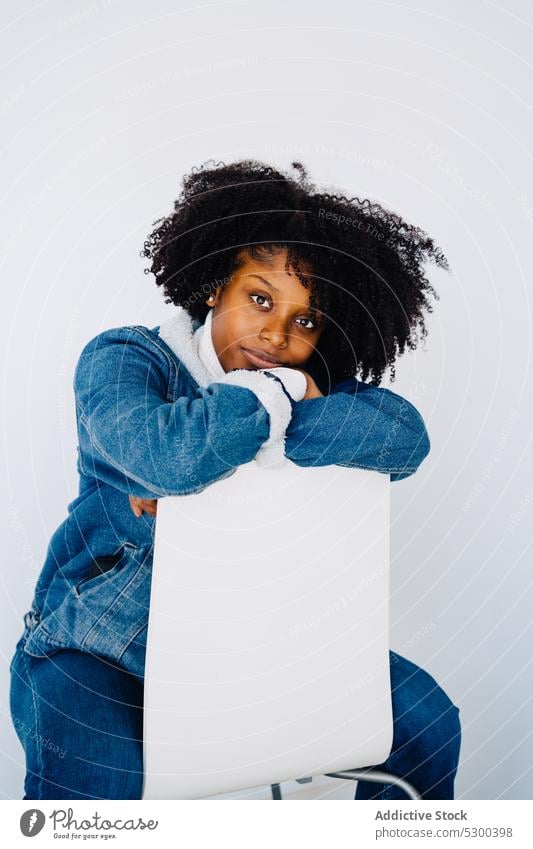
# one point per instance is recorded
(179, 333)
(203, 341)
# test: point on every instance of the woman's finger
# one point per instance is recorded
(135, 506)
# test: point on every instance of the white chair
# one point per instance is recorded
(268, 638)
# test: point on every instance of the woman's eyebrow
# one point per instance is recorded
(270, 286)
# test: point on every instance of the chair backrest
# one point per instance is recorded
(268, 637)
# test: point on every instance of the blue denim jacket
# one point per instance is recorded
(150, 424)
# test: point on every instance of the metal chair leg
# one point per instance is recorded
(376, 775)
(379, 777)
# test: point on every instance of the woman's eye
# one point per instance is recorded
(259, 296)
(264, 297)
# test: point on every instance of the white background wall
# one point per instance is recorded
(424, 107)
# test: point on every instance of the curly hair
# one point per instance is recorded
(365, 261)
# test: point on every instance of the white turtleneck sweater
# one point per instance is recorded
(203, 342)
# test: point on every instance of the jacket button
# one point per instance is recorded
(31, 618)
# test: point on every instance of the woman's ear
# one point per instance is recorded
(214, 297)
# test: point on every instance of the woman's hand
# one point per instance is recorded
(312, 390)
(149, 505)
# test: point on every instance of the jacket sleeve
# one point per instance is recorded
(133, 437)
(361, 426)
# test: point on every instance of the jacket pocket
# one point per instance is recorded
(104, 568)
(102, 611)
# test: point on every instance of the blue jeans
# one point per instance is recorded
(426, 736)
(80, 721)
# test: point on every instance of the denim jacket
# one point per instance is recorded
(152, 423)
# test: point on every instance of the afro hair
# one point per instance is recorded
(366, 262)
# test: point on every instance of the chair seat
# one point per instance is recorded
(268, 637)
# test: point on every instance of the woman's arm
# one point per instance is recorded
(132, 437)
(357, 425)
(361, 426)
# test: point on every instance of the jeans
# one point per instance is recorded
(80, 721)
(426, 736)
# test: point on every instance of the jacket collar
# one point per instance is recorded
(203, 341)
(188, 340)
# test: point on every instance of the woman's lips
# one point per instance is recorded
(258, 361)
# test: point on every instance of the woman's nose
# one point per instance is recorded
(276, 338)
(276, 334)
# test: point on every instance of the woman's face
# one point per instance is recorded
(264, 311)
